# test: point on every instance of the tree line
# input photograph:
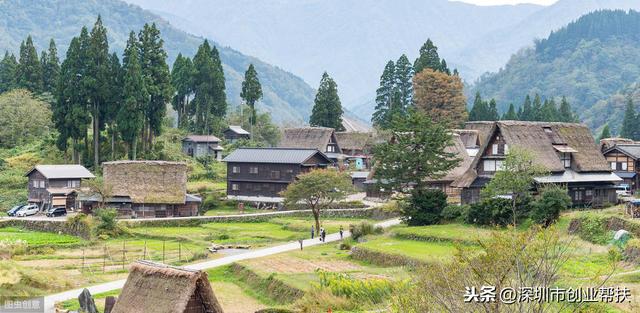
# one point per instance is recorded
(537, 110)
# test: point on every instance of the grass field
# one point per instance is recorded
(36, 239)
(447, 232)
(420, 250)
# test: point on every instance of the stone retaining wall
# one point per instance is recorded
(271, 286)
(52, 226)
(384, 259)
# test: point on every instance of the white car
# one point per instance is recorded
(28, 210)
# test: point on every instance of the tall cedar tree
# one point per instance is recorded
(327, 109)
(511, 114)
(440, 96)
(83, 72)
(418, 151)
(98, 82)
(565, 112)
(50, 68)
(606, 133)
(629, 123)
(209, 89)
(403, 82)
(384, 109)
(549, 112)
(134, 94)
(114, 101)
(157, 79)
(29, 68)
(492, 114)
(8, 72)
(527, 110)
(181, 78)
(429, 58)
(536, 108)
(479, 109)
(70, 115)
(251, 92)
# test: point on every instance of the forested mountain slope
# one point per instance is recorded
(587, 61)
(286, 96)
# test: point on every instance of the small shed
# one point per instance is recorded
(235, 132)
(201, 146)
(159, 288)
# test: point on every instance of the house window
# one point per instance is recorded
(489, 165)
(275, 174)
(235, 169)
(588, 193)
(624, 166)
(253, 170)
(41, 183)
(613, 165)
(494, 149)
(36, 184)
(577, 195)
(73, 183)
(565, 158)
(235, 187)
(331, 148)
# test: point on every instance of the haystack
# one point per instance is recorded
(159, 288)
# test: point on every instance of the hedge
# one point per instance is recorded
(384, 259)
(271, 286)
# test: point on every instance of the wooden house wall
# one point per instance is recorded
(37, 194)
(269, 181)
(231, 135)
(619, 158)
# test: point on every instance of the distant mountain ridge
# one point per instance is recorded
(591, 61)
(286, 96)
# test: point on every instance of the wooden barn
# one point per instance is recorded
(235, 133)
(158, 288)
(201, 146)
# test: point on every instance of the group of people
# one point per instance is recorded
(322, 233)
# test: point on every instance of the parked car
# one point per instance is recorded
(12, 211)
(55, 212)
(28, 210)
(623, 190)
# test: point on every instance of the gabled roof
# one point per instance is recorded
(274, 155)
(631, 150)
(307, 137)
(469, 137)
(483, 130)
(459, 149)
(201, 138)
(62, 171)
(147, 181)
(165, 289)
(355, 141)
(237, 129)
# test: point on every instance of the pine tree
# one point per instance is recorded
(511, 114)
(536, 108)
(479, 109)
(8, 72)
(114, 101)
(83, 73)
(428, 58)
(549, 112)
(493, 111)
(181, 79)
(606, 133)
(565, 112)
(155, 71)
(29, 69)
(527, 113)
(444, 68)
(97, 82)
(251, 92)
(219, 108)
(51, 68)
(403, 82)
(383, 111)
(327, 110)
(629, 123)
(131, 114)
(204, 84)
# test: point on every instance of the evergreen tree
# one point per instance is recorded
(536, 108)
(50, 68)
(549, 112)
(384, 110)
(428, 58)
(444, 68)
(157, 79)
(493, 111)
(251, 92)
(440, 96)
(565, 112)
(479, 109)
(131, 114)
(29, 68)
(527, 113)
(327, 110)
(114, 101)
(219, 108)
(511, 114)
(8, 72)
(70, 115)
(606, 133)
(181, 79)
(204, 83)
(83, 73)
(97, 82)
(629, 123)
(403, 82)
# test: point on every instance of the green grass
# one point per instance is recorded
(231, 211)
(424, 251)
(586, 266)
(224, 274)
(74, 305)
(446, 232)
(35, 239)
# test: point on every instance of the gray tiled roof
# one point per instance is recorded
(201, 138)
(271, 155)
(238, 130)
(631, 150)
(62, 171)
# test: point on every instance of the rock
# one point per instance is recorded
(87, 305)
(109, 302)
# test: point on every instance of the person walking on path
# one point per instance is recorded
(324, 235)
(312, 231)
(341, 232)
(300, 241)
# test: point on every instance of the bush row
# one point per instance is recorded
(384, 259)
(598, 229)
(271, 286)
(62, 227)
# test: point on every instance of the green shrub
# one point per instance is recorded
(593, 228)
(495, 211)
(13, 247)
(424, 207)
(80, 224)
(371, 290)
(346, 244)
(454, 212)
(360, 230)
(552, 200)
(107, 223)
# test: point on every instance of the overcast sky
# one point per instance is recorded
(498, 2)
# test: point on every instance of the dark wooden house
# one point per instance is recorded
(322, 139)
(566, 150)
(624, 160)
(201, 146)
(234, 133)
(260, 174)
(357, 148)
(142, 189)
(55, 185)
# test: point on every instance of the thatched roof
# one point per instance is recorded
(544, 140)
(355, 141)
(459, 149)
(158, 288)
(470, 137)
(608, 143)
(158, 182)
(483, 130)
(307, 137)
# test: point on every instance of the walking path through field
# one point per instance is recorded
(50, 300)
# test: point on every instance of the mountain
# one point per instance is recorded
(286, 96)
(353, 39)
(589, 61)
